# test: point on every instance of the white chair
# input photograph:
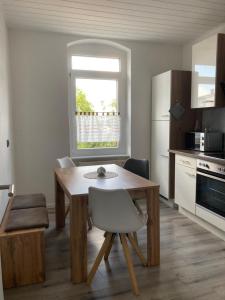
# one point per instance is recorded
(67, 162)
(114, 212)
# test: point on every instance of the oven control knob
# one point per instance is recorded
(207, 166)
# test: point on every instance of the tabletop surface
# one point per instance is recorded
(74, 183)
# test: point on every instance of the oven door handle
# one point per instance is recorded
(211, 176)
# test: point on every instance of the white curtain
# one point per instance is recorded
(98, 127)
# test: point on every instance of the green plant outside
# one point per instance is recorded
(82, 104)
(91, 145)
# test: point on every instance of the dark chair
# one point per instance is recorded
(139, 167)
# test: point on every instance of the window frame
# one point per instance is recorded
(121, 78)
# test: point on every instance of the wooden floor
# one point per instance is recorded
(192, 267)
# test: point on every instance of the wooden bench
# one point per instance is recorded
(22, 249)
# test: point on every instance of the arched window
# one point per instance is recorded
(99, 104)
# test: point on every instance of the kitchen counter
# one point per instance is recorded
(199, 155)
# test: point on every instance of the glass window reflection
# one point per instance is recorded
(205, 70)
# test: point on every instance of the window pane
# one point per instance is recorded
(101, 127)
(95, 64)
(96, 95)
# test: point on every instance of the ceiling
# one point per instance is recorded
(177, 21)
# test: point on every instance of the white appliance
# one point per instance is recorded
(161, 94)
(170, 90)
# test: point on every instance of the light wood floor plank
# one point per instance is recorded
(192, 266)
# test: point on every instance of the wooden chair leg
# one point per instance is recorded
(106, 256)
(129, 264)
(89, 223)
(67, 211)
(137, 250)
(138, 207)
(135, 237)
(99, 257)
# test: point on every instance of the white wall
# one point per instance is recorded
(6, 154)
(4, 116)
(40, 101)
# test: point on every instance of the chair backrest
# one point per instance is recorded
(114, 211)
(65, 162)
(138, 166)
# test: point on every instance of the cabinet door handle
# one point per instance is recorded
(186, 162)
(208, 101)
(190, 175)
(165, 116)
(164, 155)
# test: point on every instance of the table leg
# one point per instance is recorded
(153, 227)
(78, 239)
(59, 205)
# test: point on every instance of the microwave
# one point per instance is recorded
(204, 141)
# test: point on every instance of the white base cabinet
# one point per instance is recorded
(185, 196)
(185, 183)
(210, 217)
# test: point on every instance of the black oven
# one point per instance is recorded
(210, 188)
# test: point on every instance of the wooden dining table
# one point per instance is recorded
(73, 183)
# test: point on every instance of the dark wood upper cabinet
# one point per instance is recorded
(208, 72)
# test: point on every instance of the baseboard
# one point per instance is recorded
(51, 208)
(168, 202)
(219, 233)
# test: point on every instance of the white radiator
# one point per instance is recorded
(119, 162)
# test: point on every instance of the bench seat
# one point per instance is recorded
(28, 201)
(27, 218)
(22, 245)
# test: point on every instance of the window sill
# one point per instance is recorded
(100, 158)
